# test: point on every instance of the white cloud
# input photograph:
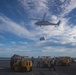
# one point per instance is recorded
(34, 7)
(23, 42)
(62, 0)
(62, 34)
(2, 37)
(42, 6)
(54, 18)
(1, 44)
(67, 7)
(19, 50)
(74, 44)
(13, 42)
(59, 51)
(63, 31)
(9, 26)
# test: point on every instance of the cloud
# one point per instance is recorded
(2, 37)
(34, 5)
(60, 39)
(36, 8)
(67, 7)
(43, 50)
(59, 51)
(13, 42)
(64, 33)
(8, 25)
(1, 44)
(13, 46)
(43, 6)
(53, 49)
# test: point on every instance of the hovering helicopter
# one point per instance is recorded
(44, 22)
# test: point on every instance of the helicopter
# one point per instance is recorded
(44, 22)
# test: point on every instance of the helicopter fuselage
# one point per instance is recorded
(44, 23)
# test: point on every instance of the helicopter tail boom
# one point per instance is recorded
(58, 23)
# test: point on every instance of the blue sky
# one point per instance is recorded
(20, 35)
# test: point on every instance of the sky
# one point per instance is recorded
(20, 35)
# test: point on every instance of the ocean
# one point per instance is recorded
(4, 58)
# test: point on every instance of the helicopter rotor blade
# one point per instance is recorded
(44, 16)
